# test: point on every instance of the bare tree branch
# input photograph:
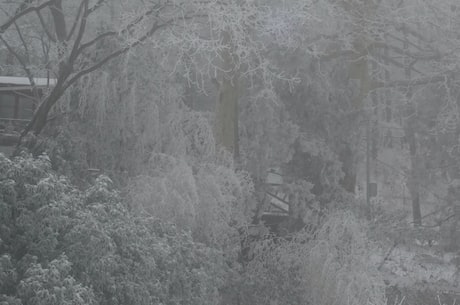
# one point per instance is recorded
(337, 54)
(24, 44)
(23, 6)
(117, 53)
(416, 81)
(154, 9)
(26, 10)
(45, 48)
(75, 22)
(39, 119)
(387, 256)
(75, 49)
(419, 56)
(96, 39)
(45, 27)
(399, 27)
(399, 64)
(96, 6)
(407, 41)
(59, 20)
(21, 61)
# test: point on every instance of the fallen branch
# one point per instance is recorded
(387, 255)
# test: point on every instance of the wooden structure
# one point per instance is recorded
(277, 210)
(18, 100)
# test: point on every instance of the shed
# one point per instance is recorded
(17, 102)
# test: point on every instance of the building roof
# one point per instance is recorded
(24, 81)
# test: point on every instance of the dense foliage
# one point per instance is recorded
(60, 245)
(63, 246)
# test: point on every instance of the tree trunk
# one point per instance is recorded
(348, 182)
(226, 125)
(59, 21)
(227, 117)
(412, 137)
(414, 177)
(454, 234)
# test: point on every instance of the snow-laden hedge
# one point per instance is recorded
(59, 245)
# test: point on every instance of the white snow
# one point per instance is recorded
(24, 81)
(406, 267)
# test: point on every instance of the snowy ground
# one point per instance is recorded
(421, 276)
(408, 266)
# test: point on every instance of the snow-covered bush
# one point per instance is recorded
(123, 258)
(212, 201)
(333, 267)
(53, 285)
(338, 264)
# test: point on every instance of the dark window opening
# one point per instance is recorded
(7, 106)
(16, 106)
